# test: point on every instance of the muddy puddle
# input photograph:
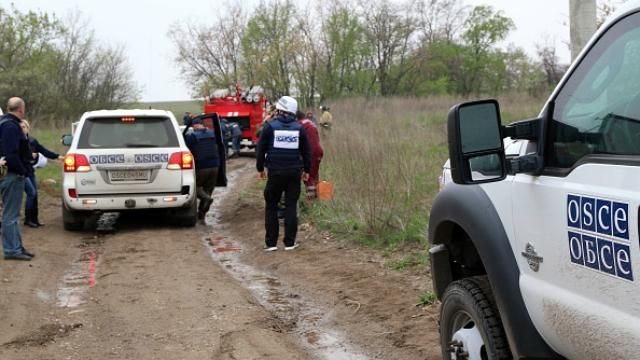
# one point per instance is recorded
(81, 276)
(310, 323)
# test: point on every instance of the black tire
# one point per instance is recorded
(188, 216)
(72, 220)
(469, 304)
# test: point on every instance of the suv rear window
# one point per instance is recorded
(127, 132)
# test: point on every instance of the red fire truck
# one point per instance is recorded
(244, 106)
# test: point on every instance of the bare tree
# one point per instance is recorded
(390, 30)
(550, 62)
(210, 56)
(440, 20)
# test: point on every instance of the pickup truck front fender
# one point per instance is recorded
(468, 207)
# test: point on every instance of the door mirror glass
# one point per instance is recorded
(480, 128)
(476, 150)
(485, 167)
(66, 140)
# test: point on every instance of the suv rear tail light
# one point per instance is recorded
(180, 160)
(76, 163)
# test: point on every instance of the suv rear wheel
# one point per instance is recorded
(188, 216)
(72, 220)
(470, 326)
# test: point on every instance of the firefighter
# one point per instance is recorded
(226, 135)
(326, 119)
(316, 153)
(203, 146)
(284, 150)
(236, 132)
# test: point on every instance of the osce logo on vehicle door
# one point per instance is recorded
(598, 231)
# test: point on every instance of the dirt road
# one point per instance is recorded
(151, 291)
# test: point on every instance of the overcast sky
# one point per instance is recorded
(141, 27)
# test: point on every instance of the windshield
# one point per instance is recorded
(127, 132)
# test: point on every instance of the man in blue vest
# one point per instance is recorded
(284, 150)
(14, 147)
(202, 143)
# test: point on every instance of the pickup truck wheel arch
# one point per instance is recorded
(467, 210)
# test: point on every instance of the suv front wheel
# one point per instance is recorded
(470, 326)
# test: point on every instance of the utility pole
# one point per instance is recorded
(582, 18)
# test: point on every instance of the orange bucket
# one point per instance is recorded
(325, 190)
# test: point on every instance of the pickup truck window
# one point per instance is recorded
(598, 109)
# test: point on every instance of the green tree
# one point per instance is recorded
(59, 68)
(345, 54)
(26, 53)
(483, 29)
(389, 30)
(269, 45)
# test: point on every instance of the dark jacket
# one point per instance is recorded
(203, 146)
(272, 156)
(36, 147)
(14, 145)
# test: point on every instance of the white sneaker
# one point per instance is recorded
(295, 246)
(270, 248)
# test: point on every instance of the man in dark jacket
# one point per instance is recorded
(284, 150)
(203, 146)
(14, 147)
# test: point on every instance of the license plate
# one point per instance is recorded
(129, 175)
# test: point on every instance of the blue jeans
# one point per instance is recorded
(31, 189)
(236, 144)
(11, 188)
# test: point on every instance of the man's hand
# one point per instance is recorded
(305, 176)
(262, 174)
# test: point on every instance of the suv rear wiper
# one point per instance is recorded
(139, 145)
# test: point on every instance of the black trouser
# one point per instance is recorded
(287, 180)
(205, 183)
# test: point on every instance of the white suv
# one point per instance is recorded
(127, 160)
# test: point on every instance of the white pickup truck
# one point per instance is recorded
(535, 254)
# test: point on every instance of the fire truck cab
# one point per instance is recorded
(243, 106)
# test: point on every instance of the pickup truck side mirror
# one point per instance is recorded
(476, 149)
(66, 140)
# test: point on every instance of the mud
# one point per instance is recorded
(150, 290)
(341, 299)
(45, 334)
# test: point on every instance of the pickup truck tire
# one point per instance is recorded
(470, 322)
(72, 220)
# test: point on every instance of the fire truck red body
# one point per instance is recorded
(246, 107)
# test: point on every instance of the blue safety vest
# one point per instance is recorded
(205, 150)
(284, 149)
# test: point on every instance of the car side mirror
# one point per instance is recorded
(66, 140)
(476, 150)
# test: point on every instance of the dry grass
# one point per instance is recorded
(384, 156)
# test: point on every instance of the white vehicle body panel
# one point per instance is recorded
(155, 186)
(584, 300)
